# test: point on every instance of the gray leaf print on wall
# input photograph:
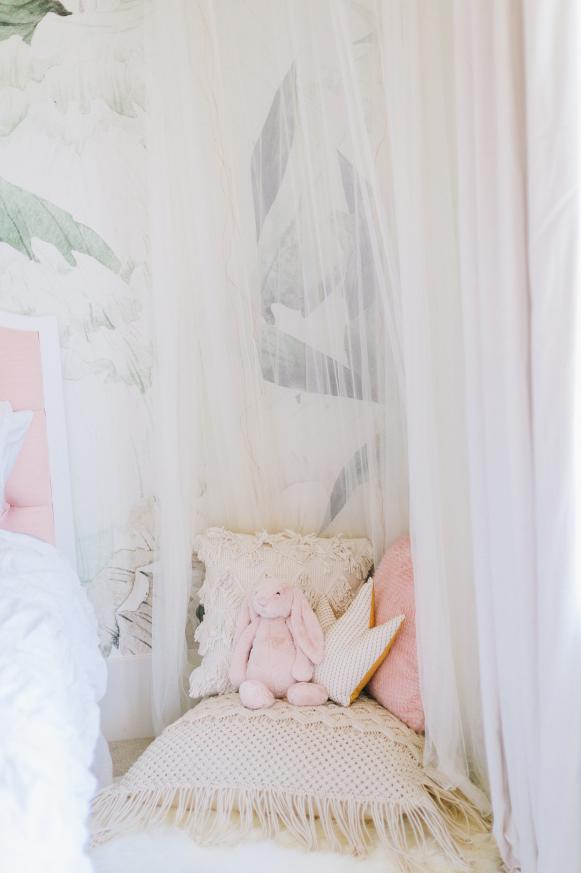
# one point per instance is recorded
(360, 341)
(361, 280)
(294, 277)
(354, 473)
(21, 17)
(291, 363)
(24, 217)
(271, 152)
(282, 281)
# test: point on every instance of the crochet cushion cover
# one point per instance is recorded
(353, 649)
(321, 773)
(396, 684)
(237, 563)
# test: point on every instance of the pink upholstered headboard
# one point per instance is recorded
(38, 490)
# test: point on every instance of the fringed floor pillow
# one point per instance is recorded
(349, 775)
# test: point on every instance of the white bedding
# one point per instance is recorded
(51, 677)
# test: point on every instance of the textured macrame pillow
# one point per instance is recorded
(396, 684)
(236, 563)
(319, 773)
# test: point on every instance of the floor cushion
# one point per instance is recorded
(315, 772)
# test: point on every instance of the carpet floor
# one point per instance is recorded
(125, 752)
(170, 850)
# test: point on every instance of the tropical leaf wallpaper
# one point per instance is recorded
(21, 17)
(294, 212)
(73, 243)
(272, 149)
(314, 249)
(24, 217)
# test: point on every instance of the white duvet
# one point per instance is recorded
(51, 677)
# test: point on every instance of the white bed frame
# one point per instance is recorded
(47, 329)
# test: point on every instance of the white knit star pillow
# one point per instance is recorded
(353, 649)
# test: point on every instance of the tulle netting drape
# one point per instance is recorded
(291, 362)
(346, 342)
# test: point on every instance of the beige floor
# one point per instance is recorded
(125, 752)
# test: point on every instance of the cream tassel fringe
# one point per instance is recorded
(209, 815)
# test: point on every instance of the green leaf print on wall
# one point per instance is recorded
(24, 217)
(21, 17)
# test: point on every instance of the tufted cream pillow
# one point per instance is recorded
(237, 563)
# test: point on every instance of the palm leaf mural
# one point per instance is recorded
(291, 363)
(281, 282)
(369, 39)
(271, 152)
(24, 217)
(21, 17)
(356, 472)
(361, 281)
(361, 350)
(293, 275)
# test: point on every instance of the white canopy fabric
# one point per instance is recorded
(518, 189)
(276, 306)
(364, 238)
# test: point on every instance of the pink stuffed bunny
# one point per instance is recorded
(277, 643)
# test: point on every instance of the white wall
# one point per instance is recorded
(126, 709)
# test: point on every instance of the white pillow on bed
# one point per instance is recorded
(13, 429)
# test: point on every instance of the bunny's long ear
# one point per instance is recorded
(246, 615)
(305, 628)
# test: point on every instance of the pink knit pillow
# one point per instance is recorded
(396, 685)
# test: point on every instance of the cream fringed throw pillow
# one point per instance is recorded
(322, 774)
(237, 563)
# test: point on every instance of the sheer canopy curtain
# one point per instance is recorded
(363, 220)
(416, 40)
(482, 104)
(517, 106)
(306, 289)
(277, 308)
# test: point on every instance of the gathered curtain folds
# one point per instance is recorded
(355, 250)
(276, 300)
(518, 187)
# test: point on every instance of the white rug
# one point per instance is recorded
(170, 850)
